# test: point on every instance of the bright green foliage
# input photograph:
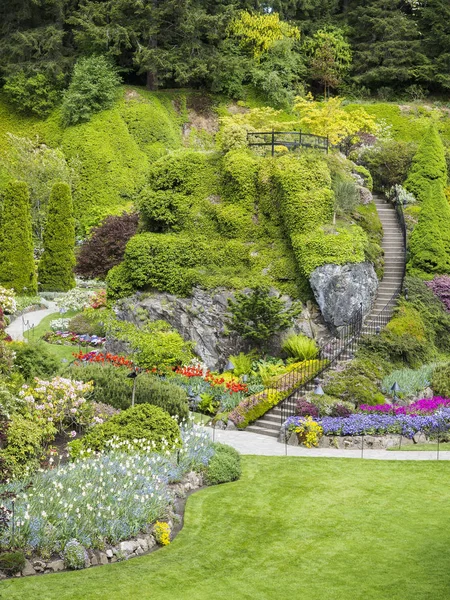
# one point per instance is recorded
(23, 448)
(389, 162)
(144, 422)
(16, 245)
(224, 466)
(344, 245)
(429, 243)
(58, 259)
(242, 363)
(93, 88)
(428, 166)
(366, 216)
(156, 345)
(163, 210)
(440, 381)
(33, 94)
(358, 383)
(300, 347)
(240, 178)
(257, 316)
(113, 386)
(12, 563)
(329, 56)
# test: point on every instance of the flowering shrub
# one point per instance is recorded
(69, 338)
(59, 404)
(161, 532)
(98, 300)
(441, 288)
(74, 555)
(309, 431)
(376, 424)
(75, 299)
(59, 324)
(8, 300)
(426, 406)
(303, 408)
(102, 499)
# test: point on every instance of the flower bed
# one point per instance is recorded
(69, 338)
(426, 406)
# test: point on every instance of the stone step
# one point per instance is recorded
(268, 424)
(269, 432)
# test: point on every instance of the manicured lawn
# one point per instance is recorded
(59, 350)
(423, 447)
(300, 528)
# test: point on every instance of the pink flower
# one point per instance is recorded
(73, 434)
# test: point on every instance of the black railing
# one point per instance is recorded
(402, 223)
(289, 139)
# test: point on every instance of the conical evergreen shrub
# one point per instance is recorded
(17, 269)
(58, 259)
(428, 166)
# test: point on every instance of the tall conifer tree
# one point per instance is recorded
(58, 259)
(17, 270)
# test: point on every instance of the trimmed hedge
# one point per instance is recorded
(145, 422)
(17, 270)
(224, 466)
(58, 259)
(239, 178)
(428, 166)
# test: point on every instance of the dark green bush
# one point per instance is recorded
(145, 422)
(112, 386)
(12, 563)
(90, 321)
(224, 466)
(93, 88)
(58, 259)
(440, 381)
(32, 93)
(34, 359)
(388, 162)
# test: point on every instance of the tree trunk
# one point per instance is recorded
(152, 80)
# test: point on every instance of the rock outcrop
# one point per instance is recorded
(340, 290)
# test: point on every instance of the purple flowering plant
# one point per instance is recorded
(426, 406)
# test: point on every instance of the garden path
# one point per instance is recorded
(16, 328)
(263, 445)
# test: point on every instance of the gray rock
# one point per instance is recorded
(365, 195)
(3, 575)
(138, 551)
(39, 566)
(340, 290)
(150, 541)
(293, 439)
(103, 558)
(231, 425)
(28, 569)
(193, 479)
(201, 318)
(127, 548)
(94, 560)
(143, 544)
(56, 565)
(109, 553)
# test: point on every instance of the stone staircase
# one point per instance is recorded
(394, 260)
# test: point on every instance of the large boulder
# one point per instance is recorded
(340, 290)
(202, 319)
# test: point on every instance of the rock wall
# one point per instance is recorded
(340, 290)
(201, 318)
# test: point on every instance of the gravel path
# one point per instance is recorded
(16, 328)
(263, 445)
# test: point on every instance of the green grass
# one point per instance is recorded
(423, 447)
(59, 350)
(309, 529)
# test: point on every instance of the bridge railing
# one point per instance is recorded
(289, 139)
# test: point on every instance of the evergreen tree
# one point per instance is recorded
(58, 259)
(433, 21)
(429, 165)
(17, 269)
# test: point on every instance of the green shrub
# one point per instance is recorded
(12, 563)
(93, 88)
(346, 195)
(224, 466)
(300, 347)
(145, 422)
(163, 210)
(341, 246)
(17, 269)
(33, 93)
(358, 383)
(184, 171)
(113, 386)
(74, 555)
(440, 381)
(366, 216)
(428, 166)
(411, 381)
(429, 242)
(58, 259)
(23, 447)
(365, 174)
(34, 359)
(90, 322)
(388, 162)
(240, 178)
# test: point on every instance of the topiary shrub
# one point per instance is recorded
(163, 210)
(184, 171)
(428, 166)
(75, 555)
(113, 386)
(440, 381)
(224, 466)
(17, 270)
(94, 87)
(105, 247)
(240, 178)
(146, 423)
(58, 259)
(34, 359)
(12, 563)
(300, 347)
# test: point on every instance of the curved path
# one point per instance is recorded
(263, 445)
(16, 328)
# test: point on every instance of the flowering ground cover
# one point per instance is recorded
(425, 406)
(290, 528)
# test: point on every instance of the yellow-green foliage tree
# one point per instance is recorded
(58, 259)
(329, 118)
(17, 269)
(428, 165)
